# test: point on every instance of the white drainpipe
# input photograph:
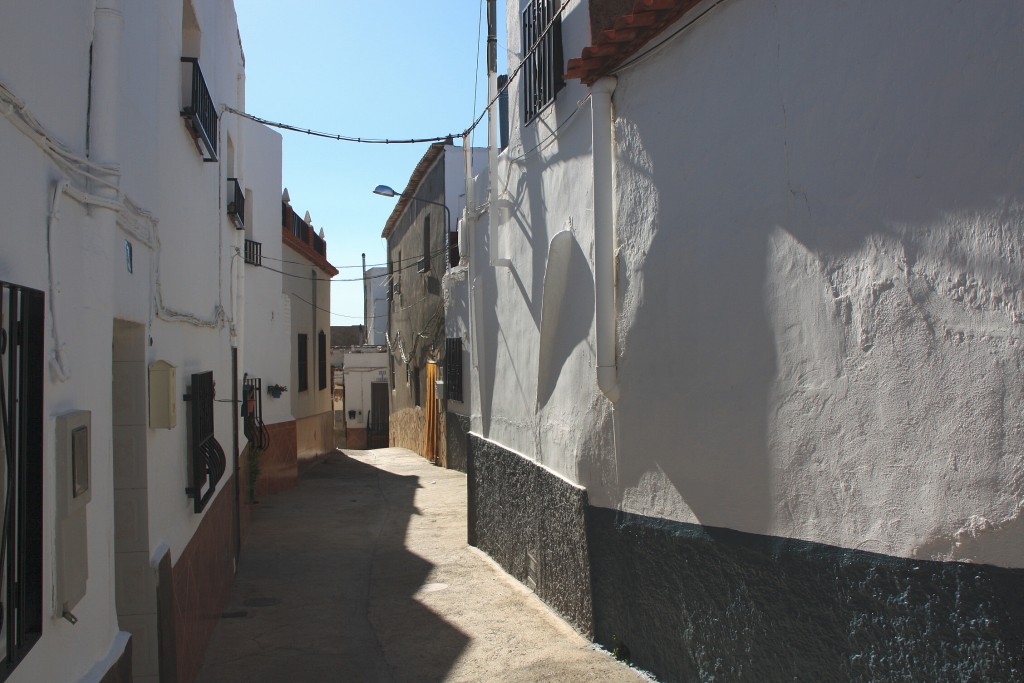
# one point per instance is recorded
(604, 236)
(106, 76)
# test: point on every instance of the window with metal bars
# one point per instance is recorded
(321, 360)
(453, 368)
(542, 71)
(208, 460)
(21, 467)
(303, 355)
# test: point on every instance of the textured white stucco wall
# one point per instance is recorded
(44, 60)
(268, 344)
(820, 223)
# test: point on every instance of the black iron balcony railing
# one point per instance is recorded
(300, 228)
(254, 252)
(320, 246)
(198, 109)
(236, 203)
(208, 460)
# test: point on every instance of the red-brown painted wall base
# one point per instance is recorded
(202, 577)
(314, 437)
(279, 464)
(356, 439)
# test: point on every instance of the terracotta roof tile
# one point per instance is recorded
(628, 34)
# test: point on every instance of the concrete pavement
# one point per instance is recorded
(362, 573)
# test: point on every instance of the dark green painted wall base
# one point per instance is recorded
(532, 523)
(693, 603)
(456, 440)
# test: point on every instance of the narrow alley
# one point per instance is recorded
(362, 573)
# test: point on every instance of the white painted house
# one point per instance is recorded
(128, 194)
(376, 303)
(749, 348)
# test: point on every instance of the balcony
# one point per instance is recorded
(198, 110)
(236, 203)
(319, 245)
(254, 252)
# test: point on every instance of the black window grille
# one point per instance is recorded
(302, 351)
(453, 249)
(254, 252)
(321, 360)
(252, 414)
(236, 203)
(208, 460)
(300, 228)
(21, 421)
(542, 72)
(453, 368)
(198, 109)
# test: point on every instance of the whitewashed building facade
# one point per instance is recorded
(126, 189)
(749, 342)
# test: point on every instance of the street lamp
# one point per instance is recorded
(385, 190)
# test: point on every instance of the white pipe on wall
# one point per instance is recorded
(106, 75)
(604, 236)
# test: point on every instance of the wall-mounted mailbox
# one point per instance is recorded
(74, 491)
(163, 409)
(439, 388)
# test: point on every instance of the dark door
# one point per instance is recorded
(379, 413)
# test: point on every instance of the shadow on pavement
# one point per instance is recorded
(326, 587)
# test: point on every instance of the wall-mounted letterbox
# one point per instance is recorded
(74, 491)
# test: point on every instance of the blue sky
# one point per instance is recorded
(365, 69)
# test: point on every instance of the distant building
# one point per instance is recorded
(419, 237)
(366, 397)
(376, 295)
(307, 282)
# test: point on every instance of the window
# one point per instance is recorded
(425, 261)
(21, 467)
(321, 360)
(303, 354)
(416, 385)
(542, 70)
(208, 460)
(453, 368)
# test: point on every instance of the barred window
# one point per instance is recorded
(303, 354)
(453, 368)
(321, 360)
(21, 467)
(542, 70)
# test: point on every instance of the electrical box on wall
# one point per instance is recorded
(163, 409)
(74, 491)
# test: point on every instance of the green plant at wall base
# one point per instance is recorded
(620, 650)
(254, 471)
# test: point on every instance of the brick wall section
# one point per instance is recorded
(202, 577)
